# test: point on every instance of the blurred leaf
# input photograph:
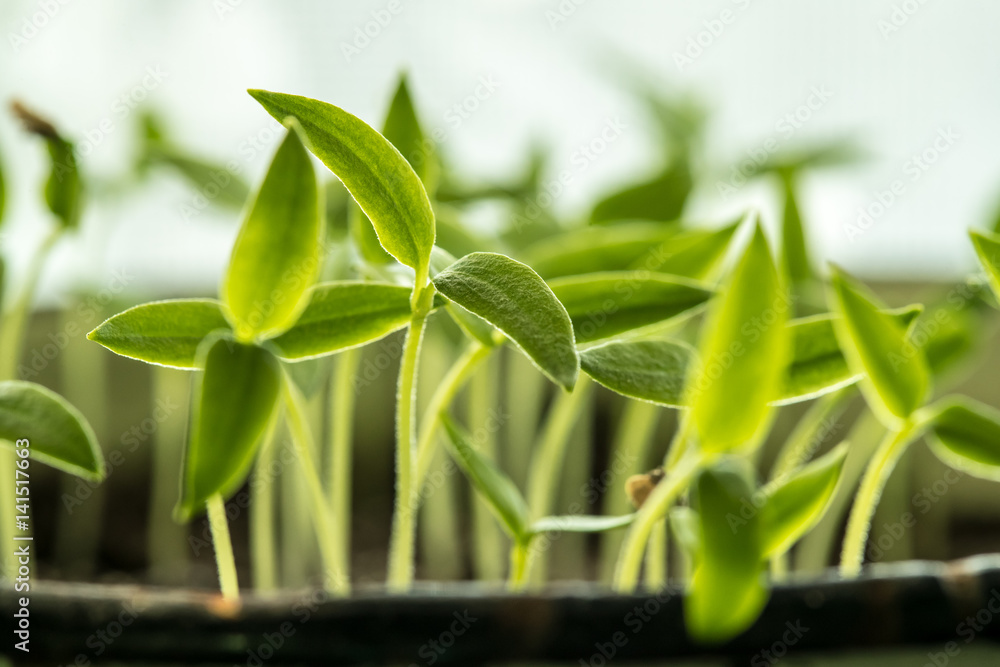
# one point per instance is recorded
(693, 254)
(965, 434)
(214, 182)
(839, 153)
(337, 200)
(365, 239)
(651, 370)
(897, 380)
(988, 248)
(514, 299)
(166, 333)
(818, 365)
(580, 523)
(948, 338)
(686, 527)
(342, 315)
(603, 305)
(661, 198)
(794, 250)
(277, 254)
(500, 493)
(743, 353)
(593, 249)
(58, 434)
(471, 324)
(64, 187)
(726, 593)
(234, 400)
(454, 237)
(377, 176)
(402, 129)
(3, 196)
(797, 504)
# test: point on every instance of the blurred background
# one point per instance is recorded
(552, 101)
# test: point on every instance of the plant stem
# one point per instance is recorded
(223, 545)
(518, 577)
(656, 556)
(876, 475)
(633, 441)
(443, 396)
(811, 430)
(652, 511)
(488, 540)
(334, 580)
(262, 535)
(401, 545)
(340, 455)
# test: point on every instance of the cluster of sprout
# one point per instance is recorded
(710, 322)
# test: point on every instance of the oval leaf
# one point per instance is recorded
(743, 354)
(650, 370)
(603, 305)
(234, 400)
(795, 505)
(377, 176)
(514, 299)
(342, 315)
(580, 523)
(897, 379)
(276, 257)
(490, 482)
(988, 249)
(58, 434)
(165, 333)
(726, 593)
(474, 326)
(965, 434)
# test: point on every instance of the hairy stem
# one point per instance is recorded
(334, 580)
(876, 475)
(223, 545)
(340, 455)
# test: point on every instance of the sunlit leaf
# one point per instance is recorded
(514, 299)
(166, 333)
(726, 592)
(234, 399)
(649, 370)
(603, 305)
(743, 353)
(499, 492)
(797, 504)
(897, 379)
(57, 434)
(345, 314)
(580, 523)
(377, 176)
(965, 434)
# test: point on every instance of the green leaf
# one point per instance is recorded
(58, 434)
(166, 333)
(797, 504)
(603, 305)
(342, 315)
(514, 299)
(649, 370)
(661, 198)
(580, 523)
(726, 593)
(794, 251)
(965, 434)
(496, 488)
(988, 249)
(64, 187)
(593, 249)
(277, 254)
(897, 380)
(377, 176)
(215, 182)
(402, 129)
(818, 365)
(234, 400)
(693, 254)
(474, 326)
(686, 528)
(743, 353)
